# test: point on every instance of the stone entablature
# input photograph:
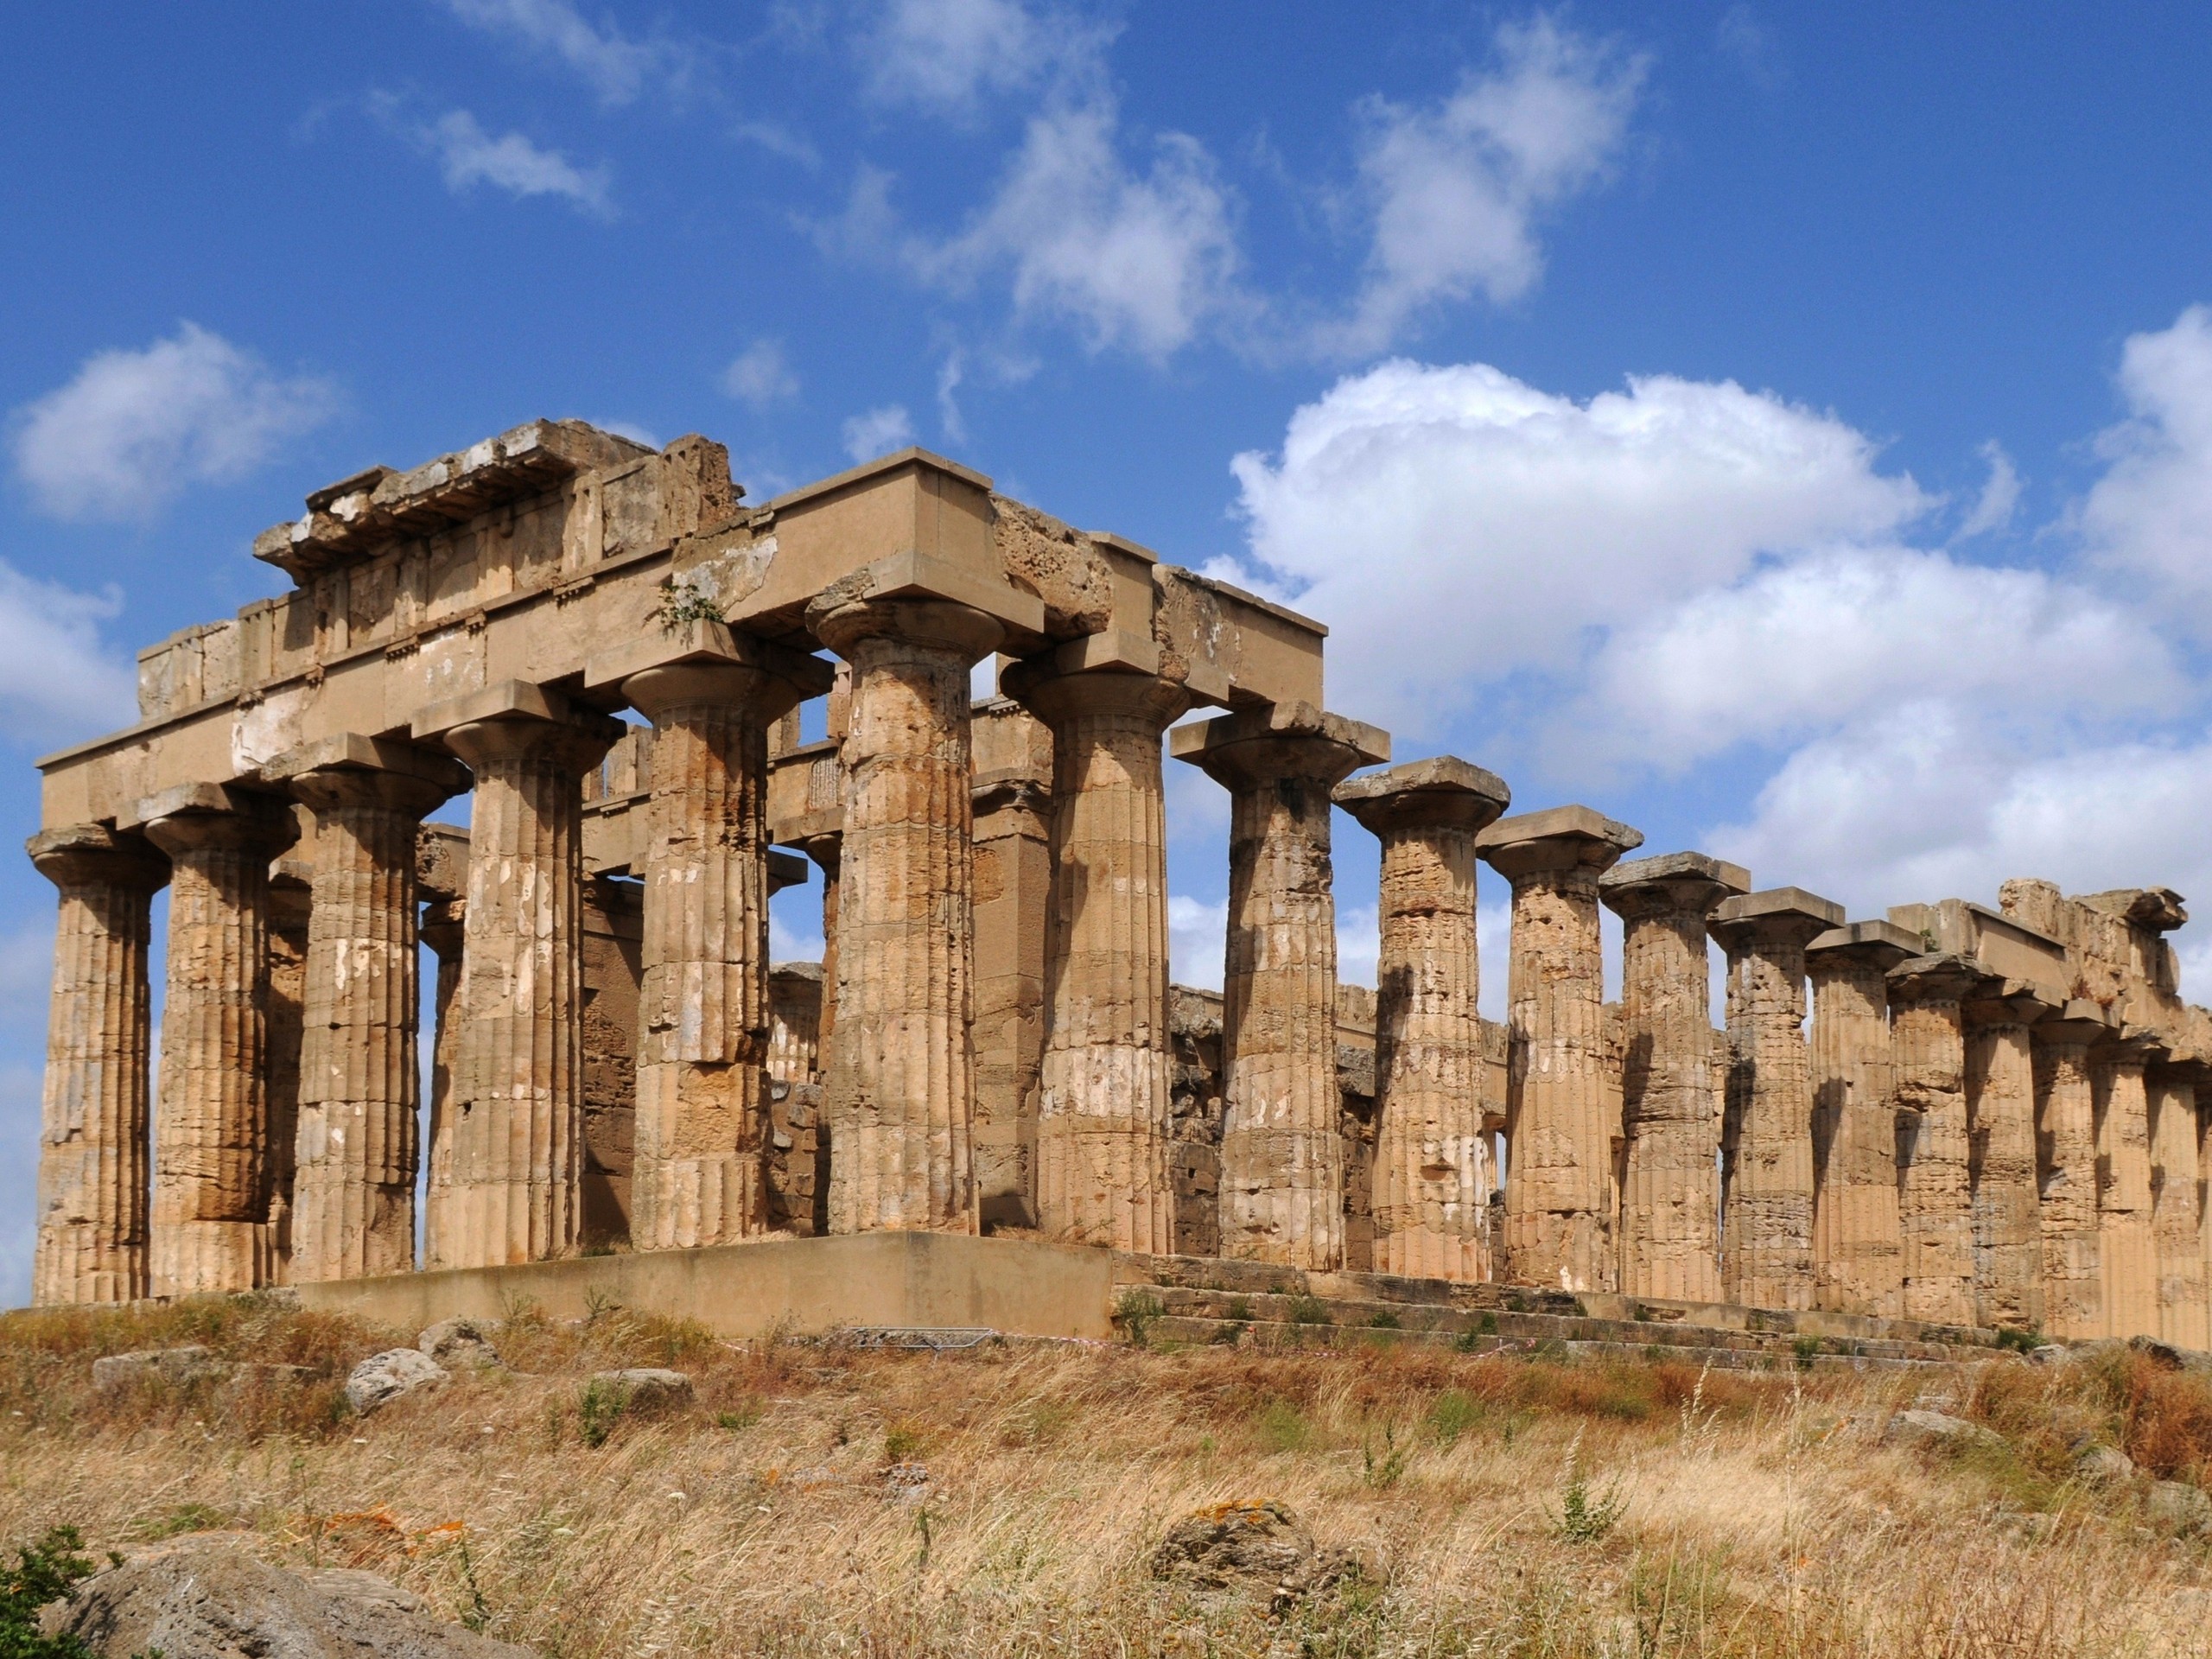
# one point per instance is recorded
(1959, 1113)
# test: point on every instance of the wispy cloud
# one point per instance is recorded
(878, 432)
(469, 155)
(133, 428)
(1992, 510)
(760, 375)
(943, 55)
(59, 682)
(616, 67)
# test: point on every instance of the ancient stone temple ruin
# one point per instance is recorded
(1957, 1114)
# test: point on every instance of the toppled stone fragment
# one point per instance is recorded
(1936, 1428)
(2175, 1506)
(175, 1365)
(207, 1599)
(458, 1344)
(2105, 1466)
(1260, 1547)
(382, 1378)
(645, 1387)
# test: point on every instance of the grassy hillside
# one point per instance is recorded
(1496, 1506)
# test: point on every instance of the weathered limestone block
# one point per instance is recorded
(211, 1199)
(2066, 1167)
(2129, 1247)
(1433, 1175)
(2174, 1218)
(1934, 1199)
(1194, 1156)
(1766, 1140)
(1103, 1122)
(1559, 1219)
(353, 1208)
(2008, 1288)
(94, 1121)
(701, 1123)
(291, 914)
(1281, 1149)
(1670, 1227)
(899, 1095)
(1858, 1253)
(515, 1118)
(613, 926)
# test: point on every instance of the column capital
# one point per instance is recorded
(2076, 1023)
(191, 817)
(1556, 839)
(1878, 945)
(706, 661)
(513, 719)
(350, 769)
(1444, 793)
(1670, 883)
(84, 854)
(1283, 739)
(1942, 977)
(1055, 695)
(843, 620)
(2007, 1002)
(1786, 915)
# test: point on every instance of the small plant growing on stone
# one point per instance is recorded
(1240, 1309)
(1137, 1315)
(1807, 1349)
(2018, 1342)
(1386, 1320)
(683, 603)
(1488, 1324)
(903, 1443)
(1308, 1309)
(45, 1572)
(596, 1411)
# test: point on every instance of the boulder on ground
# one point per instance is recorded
(459, 1344)
(1938, 1429)
(203, 1599)
(644, 1387)
(186, 1364)
(382, 1378)
(2105, 1466)
(2175, 1506)
(1261, 1547)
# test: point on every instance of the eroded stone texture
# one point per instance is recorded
(354, 1179)
(291, 909)
(1935, 1200)
(701, 1120)
(2129, 1249)
(613, 941)
(1282, 1177)
(1858, 1253)
(210, 1197)
(2174, 1215)
(1669, 1225)
(94, 1123)
(443, 927)
(515, 1126)
(1558, 1230)
(1103, 1122)
(795, 1017)
(899, 1096)
(1767, 1120)
(2008, 1289)
(1433, 1176)
(2066, 1168)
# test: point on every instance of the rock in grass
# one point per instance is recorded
(186, 1364)
(2177, 1507)
(645, 1387)
(459, 1344)
(2105, 1466)
(1938, 1428)
(382, 1378)
(203, 1599)
(1260, 1547)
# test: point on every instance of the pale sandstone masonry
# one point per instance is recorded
(901, 1099)
(696, 1174)
(291, 914)
(2127, 1246)
(2008, 1287)
(1767, 1128)
(1935, 1202)
(1282, 1167)
(2174, 1216)
(2066, 1165)
(1433, 1176)
(1559, 1212)
(1102, 1123)
(515, 1123)
(1858, 1252)
(92, 1169)
(210, 1224)
(1670, 1226)
(353, 1175)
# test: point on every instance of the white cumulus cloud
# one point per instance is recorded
(878, 432)
(761, 375)
(1198, 941)
(617, 69)
(58, 682)
(2149, 515)
(469, 155)
(132, 428)
(2000, 495)
(943, 55)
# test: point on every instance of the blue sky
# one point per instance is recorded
(1787, 428)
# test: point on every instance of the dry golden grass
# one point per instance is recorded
(1755, 1518)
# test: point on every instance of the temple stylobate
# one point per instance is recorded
(1959, 1114)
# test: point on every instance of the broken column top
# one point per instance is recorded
(1198, 739)
(1676, 867)
(2159, 909)
(1776, 904)
(1870, 938)
(1444, 790)
(1942, 977)
(1556, 838)
(2079, 1020)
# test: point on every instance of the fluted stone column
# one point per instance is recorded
(1102, 1174)
(2128, 1247)
(515, 1123)
(1935, 1200)
(356, 1144)
(1767, 1126)
(826, 852)
(899, 1098)
(2008, 1288)
(697, 1176)
(444, 926)
(2174, 1216)
(211, 1227)
(1282, 1170)
(1433, 1176)
(1858, 1252)
(2066, 1167)
(94, 1121)
(1669, 1225)
(1558, 1231)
